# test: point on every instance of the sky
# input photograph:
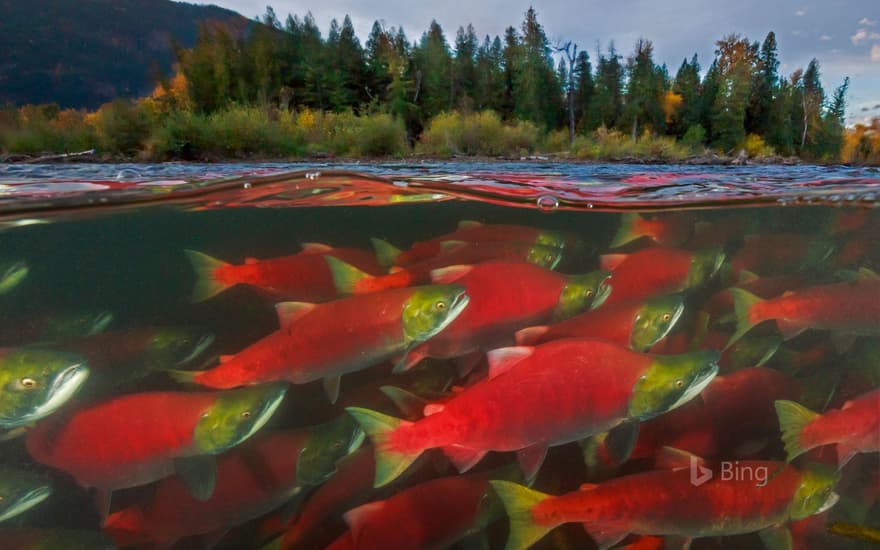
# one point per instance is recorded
(844, 35)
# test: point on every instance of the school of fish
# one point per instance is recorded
(681, 385)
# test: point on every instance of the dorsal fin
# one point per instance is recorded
(501, 360)
(316, 248)
(226, 358)
(609, 262)
(289, 312)
(865, 273)
(670, 458)
(447, 275)
(468, 224)
(449, 246)
(432, 408)
(588, 486)
(251, 261)
(746, 276)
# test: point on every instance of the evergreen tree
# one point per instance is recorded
(607, 105)
(645, 89)
(464, 68)
(759, 115)
(433, 68)
(709, 92)
(489, 78)
(536, 89)
(688, 87)
(812, 99)
(584, 87)
(735, 58)
(513, 56)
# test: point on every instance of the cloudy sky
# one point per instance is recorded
(843, 34)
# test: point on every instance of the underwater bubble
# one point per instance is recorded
(547, 203)
(127, 174)
(247, 185)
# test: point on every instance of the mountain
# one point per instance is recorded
(82, 53)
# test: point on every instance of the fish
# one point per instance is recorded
(431, 515)
(734, 414)
(33, 538)
(20, 490)
(472, 231)
(59, 326)
(638, 324)
(669, 502)
(656, 271)
(664, 230)
(35, 383)
(506, 297)
(135, 439)
(350, 280)
(849, 308)
(252, 480)
(779, 253)
(855, 428)
(12, 274)
(302, 277)
(325, 341)
(594, 386)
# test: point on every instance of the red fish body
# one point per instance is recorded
(251, 481)
(772, 254)
(320, 341)
(648, 272)
(504, 297)
(302, 277)
(431, 515)
(125, 442)
(612, 323)
(855, 428)
(852, 307)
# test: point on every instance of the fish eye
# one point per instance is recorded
(548, 258)
(440, 306)
(588, 293)
(667, 317)
(679, 384)
(28, 383)
(246, 414)
(337, 445)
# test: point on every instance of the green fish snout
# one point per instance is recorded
(655, 320)
(236, 416)
(180, 346)
(36, 383)
(671, 381)
(704, 265)
(583, 292)
(327, 444)
(431, 309)
(815, 494)
(20, 491)
(544, 256)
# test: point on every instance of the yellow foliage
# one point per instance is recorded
(756, 147)
(862, 143)
(671, 104)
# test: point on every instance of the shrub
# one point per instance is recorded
(694, 137)
(380, 135)
(121, 126)
(756, 147)
(476, 134)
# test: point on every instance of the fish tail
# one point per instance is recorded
(743, 302)
(207, 284)
(628, 231)
(386, 253)
(347, 278)
(793, 418)
(390, 462)
(519, 501)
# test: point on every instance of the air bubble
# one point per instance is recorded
(547, 203)
(127, 174)
(247, 185)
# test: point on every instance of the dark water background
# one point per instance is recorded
(130, 261)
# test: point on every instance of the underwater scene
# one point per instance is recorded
(406, 357)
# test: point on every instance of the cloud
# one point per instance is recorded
(825, 37)
(862, 35)
(801, 13)
(867, 22)
(875, 53)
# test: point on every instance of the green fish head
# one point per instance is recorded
(672, 381)
(326, 445)
(35, 383)
(79, 324)
(547, 257)
(815, 494)
(179, 346)
(753, 350)
(430, 309)
(654, 321)
(551, 239)
(20, 491)
(583, 292)
(11, 275)
(235, 416)
(704, 265)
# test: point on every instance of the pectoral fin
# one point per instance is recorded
(776, 538)
(530, 460)
(199, 474)
(621, 441)
(331, 387)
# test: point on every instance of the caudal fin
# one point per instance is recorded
(743, 302)
(386, 253)
(205, 268)
(628, 231)
(519, 501)
(126, 528)
(390, 463)
(347, 278)
(792, 420)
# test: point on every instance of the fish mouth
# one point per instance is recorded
(702, 380)
(602, 292)
(203, 344)
(30, 500)
(458, 304)
(65, 385)
(265, 414)
(829, 502)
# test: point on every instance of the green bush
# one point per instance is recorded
(694, 137)
(476, 134)
(381, 135)
(122, 126)
(36, 129)
(756, 147)
(614, 145)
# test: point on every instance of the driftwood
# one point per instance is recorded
(35, 160)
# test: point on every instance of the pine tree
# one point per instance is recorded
(489, 78)
(536, 89)
(607, 105)
(735, 58)
(645, 90)
(812, 99)
(464, 68)
(688, 87)
(759, 115)
(584, 87)
(433, 71)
